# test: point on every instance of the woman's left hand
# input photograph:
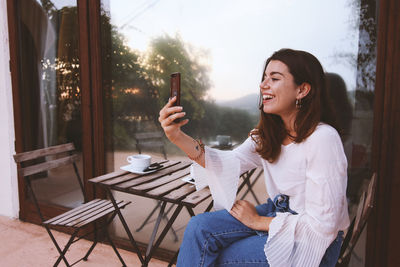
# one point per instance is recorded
(247, 214)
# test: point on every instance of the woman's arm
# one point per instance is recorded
(194, 149)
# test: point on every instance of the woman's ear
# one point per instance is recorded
(304, 89)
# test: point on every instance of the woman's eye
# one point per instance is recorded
(274, 79)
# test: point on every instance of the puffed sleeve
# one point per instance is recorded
(301, 240)
(222, 171)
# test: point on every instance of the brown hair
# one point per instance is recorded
(315, 106)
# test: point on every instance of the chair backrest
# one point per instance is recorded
(150, 140)
(45, 159)
(363, 211)
(24, 157)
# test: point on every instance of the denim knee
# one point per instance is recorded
(197, 225)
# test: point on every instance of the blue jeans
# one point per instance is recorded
(218, 239)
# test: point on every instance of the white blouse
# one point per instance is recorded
(312, 173)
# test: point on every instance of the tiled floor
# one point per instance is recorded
(24, 244)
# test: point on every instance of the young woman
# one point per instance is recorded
(305, 171)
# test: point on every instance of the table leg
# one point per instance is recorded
(164, 232)
(165, 217)
(153, 234)
(209, 207)
(190, 211)
(125, 225)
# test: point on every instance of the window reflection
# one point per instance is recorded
(219, 55)
(49, 87)
(220, 48)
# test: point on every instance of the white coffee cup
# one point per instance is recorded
(223, 140)
(139, 162)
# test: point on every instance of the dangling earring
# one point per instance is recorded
(298, 103)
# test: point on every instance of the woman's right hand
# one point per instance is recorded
(167, 116)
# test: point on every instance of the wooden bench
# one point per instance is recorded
(150, 140)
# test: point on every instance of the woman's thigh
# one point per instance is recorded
(209, 233)
(206, 235)
(246, 252)
(222, 225)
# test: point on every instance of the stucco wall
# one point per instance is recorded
(9, 205)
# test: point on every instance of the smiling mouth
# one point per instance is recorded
(267, 97)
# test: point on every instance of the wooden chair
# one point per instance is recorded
(357, 225)
(150, 140)
(94, 212)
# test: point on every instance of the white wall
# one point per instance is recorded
(9, 204)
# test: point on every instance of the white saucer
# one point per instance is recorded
(130, 169)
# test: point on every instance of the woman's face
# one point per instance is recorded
(279, 90)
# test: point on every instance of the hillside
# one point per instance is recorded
(248, 103)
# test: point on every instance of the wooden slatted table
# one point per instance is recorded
(165, 185)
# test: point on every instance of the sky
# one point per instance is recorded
(239, 35)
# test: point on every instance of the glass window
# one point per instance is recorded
(49, 88)
(220, 48)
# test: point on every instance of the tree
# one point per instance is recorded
(167, 55)
(139, 86)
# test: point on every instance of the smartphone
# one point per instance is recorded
(176, 87)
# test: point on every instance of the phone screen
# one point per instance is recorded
(176, 87)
